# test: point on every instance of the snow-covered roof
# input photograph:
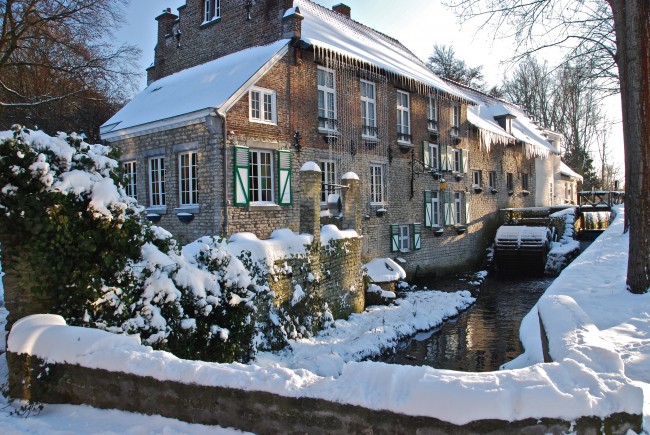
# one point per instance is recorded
(524, 128)
(330, 31)
(490, 130)
(566, 170)
(196, 91)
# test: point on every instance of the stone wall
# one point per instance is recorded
(258, 412)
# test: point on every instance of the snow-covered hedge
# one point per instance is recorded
(91, 252)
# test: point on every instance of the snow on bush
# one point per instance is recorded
(102, 264)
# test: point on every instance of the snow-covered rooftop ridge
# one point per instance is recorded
(195, 90)
(333, 32)
(566, 170)
(524, 129)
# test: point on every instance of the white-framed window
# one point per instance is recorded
(455, 120)
(458, 206)
(262, 107)
(211, 9)
(406, 237)
(327, 99)
(131, 178)
(457, 160)
(432, 113)
(492, 180)
(524, 181)
(261, 176)
(434, 156)
(510, 181)
(455, 208)
(157, 182)
(477, 178)
(188, 180)
(328, 178)
(368, 109)
(377, 193)
(403, 117)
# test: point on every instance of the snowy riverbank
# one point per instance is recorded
(595, 372)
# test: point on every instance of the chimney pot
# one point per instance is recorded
(342, 9)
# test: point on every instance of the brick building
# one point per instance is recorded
(240, 98)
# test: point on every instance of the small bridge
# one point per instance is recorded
(599, 200)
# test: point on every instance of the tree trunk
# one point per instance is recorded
(632, 25)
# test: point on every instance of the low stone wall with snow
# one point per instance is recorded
(55, 363)
(257, 411)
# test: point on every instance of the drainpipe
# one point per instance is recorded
(224, 125)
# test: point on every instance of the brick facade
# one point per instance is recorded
(294, 81)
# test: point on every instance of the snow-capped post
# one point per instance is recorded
(352, 212)
(310, 183)
(292, 24)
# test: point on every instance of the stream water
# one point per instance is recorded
(483, 337)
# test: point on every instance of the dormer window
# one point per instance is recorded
(505, 122)
(212, 10)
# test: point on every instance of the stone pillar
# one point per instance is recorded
(20, 297)
(310, 184)
(352, 210)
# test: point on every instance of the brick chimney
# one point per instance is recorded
(165, 24)
(342, 9)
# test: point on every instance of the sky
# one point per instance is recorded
(418, 24)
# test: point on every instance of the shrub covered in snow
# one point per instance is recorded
(101, 264)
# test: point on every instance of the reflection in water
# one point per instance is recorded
(482, 338)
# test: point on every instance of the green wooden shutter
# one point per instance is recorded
(417, 236)
(284, 177)
(428, 209)
(242, 173)
(426, 155)
(394, 238)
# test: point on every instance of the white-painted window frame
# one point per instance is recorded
(188, 179)
(262, 107)
(156, 170)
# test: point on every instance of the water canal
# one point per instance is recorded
(483, 337)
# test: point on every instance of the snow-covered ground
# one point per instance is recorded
(599, 335)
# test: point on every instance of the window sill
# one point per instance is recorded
(188, 209)
(156, 210)
(264, 207)
(259, 121)
(328, 131)
(205, 24)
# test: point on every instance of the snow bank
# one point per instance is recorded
(384, 270)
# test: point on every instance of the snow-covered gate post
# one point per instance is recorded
(352, 211)
(310, 183)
